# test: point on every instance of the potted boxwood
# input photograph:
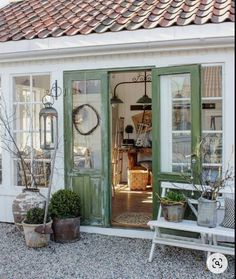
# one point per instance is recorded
(64, 208)
(173, 206)
(35, 218)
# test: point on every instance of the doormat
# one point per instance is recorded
(133, 218)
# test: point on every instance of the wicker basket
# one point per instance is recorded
(137, 179)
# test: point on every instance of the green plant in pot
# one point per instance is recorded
(35, 218)
(64, 207)
(173, 206)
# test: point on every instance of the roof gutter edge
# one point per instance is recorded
(126, 48)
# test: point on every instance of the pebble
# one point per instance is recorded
(97, 256)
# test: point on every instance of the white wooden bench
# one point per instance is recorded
(208, 240)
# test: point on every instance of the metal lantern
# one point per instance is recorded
(48, 125)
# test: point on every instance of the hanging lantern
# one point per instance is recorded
(48, 125)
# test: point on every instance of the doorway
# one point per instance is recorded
(116, 155)
(131, 148)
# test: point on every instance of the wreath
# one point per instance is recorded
(78, 119)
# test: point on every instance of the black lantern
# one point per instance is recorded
(48, 125)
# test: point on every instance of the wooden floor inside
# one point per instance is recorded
(131, 209)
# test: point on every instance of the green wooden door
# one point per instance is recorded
(86, 106)
(176, 108)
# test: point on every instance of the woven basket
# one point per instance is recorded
(137, 179)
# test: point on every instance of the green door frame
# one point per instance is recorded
(159, 176)
(103, 173)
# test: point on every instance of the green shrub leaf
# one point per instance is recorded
(64, 204)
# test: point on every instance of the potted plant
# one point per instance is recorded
(173, 206)
(209, 187)
(34, 218)
(64, 208)
(209, 184)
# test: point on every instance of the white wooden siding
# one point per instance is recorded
(59, 64)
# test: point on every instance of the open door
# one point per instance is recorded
(87, 160)
(176, 106)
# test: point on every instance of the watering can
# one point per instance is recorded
(206, 212)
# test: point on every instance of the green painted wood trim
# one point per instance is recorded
(194, 71)
(67, 130)
(196, 110)
(155, 140)
(106, 148)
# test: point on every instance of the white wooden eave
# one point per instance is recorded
(176, 38)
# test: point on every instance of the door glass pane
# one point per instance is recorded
(175, 106)
(181, 148)
(86, 123)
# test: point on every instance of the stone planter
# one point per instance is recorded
(34, 239)
(66, 230)
(26, 200)
(207, 213)
(173, 212)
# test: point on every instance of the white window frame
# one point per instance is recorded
(30, 131)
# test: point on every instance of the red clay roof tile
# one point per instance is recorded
(30, 19)
(71, 31)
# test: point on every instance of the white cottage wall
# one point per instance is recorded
(57, 62)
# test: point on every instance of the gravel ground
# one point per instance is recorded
(99, 257)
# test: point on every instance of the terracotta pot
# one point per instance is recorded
(34, 239)
(66, 230)
(173, 213)
(26, 200)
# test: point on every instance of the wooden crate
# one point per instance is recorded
(137, 179)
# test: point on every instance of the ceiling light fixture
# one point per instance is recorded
(145, 99)
(115, 100)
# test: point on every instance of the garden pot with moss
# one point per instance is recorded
(64, 207)
(173, 206)
(34, 218)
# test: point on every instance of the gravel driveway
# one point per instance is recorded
(99, 257)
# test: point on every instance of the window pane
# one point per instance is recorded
(212, 81)
(41, 172)
(181, 147)
(212, 115)
(181, 117)
(212, 119)
(22, 117)
(22, 89)
(86, 87)
(41, 84)
(86, 128)
(28, 94)
(211, 174)
(35, 119)
(23, 140)
(212, 148)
